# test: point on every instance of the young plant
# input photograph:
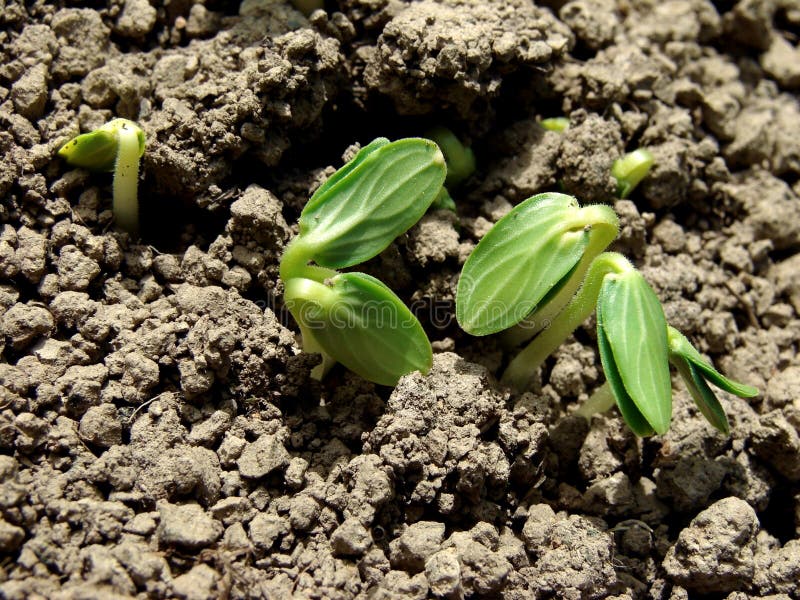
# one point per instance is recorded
(459, 158)
(556, 124)
(353, 318)
(542, 270)
(630, 169)
(116, 146)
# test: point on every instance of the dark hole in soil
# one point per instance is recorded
(345, 123)
(167, 224)
(583, 52)
(490, 431)
(518, 90)
(723, 6)
(27, 292)
(677, 522)
(779, 518)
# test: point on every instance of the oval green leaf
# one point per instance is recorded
(681, 347)
(522, 258)
(379, 195)
(348, 167)
(631, 322)
(361, 323)
(702, 394)
(627, 407)
(629, 170)
(97, 150)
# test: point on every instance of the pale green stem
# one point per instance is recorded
(301, 295)
(604, 226)
(126, 180)
(520, 370)
(295, 259)
(460, 160)
(599, 402)
(305, 283)
(311, 346)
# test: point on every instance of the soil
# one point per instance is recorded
(160, 434)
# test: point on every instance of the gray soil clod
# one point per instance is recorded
(160, 434)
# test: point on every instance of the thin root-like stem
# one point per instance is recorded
(126, 180)
(599, 402)
(520, 370)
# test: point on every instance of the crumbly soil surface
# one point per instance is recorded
(160, 435)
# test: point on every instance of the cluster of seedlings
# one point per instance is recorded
(535, 276)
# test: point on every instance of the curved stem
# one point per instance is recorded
(604, 225)
(527, 362)
(304, 287)
(126, 180)
(305, 298)
(599, 402)
(312, 346)
(301, 291)
(295, 259)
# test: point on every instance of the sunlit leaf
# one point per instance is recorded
(379, 195)
(522, 258)
(556, 124)
(97, 150)
(680, 346)
(348, 167)
(361, 323)
(632, 323)
(627, 407)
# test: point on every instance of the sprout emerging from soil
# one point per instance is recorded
(630, 169)
(542, 270)
(353, 318)
(557, 124)
(459, 158)
(116, 146)
(460, 161)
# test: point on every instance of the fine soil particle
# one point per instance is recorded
(160, 433)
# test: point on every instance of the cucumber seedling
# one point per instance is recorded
(460, 161)
(542, 270)
(116, 146)
(353, 318)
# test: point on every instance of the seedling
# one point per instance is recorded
(630, 169)
(557, 124)
(353, 318)
(459, 158)
(542, 271)
(460, 162)
(116, 146)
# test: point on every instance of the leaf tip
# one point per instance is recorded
(438, 158)
(747, 391)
